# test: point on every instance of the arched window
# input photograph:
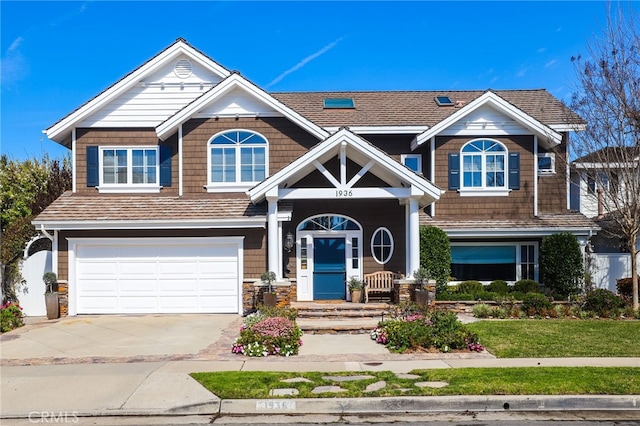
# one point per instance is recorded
(483, 163)
(237, 157)
(382, 245)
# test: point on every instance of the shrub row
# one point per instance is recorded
(413, 327)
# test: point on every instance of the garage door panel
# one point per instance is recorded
(137, 268)
(177, 286)
(134, 276)
(137, 286)
(172, 267)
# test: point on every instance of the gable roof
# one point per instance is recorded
(623, 156)
(235, 81)
(62, 129)
(360, 151)
(549, 137)
(418, 108)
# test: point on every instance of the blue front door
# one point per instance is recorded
(329, 269)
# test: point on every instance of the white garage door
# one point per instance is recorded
(166, 275)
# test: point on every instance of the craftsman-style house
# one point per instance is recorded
(190, 181)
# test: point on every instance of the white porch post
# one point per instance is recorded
(413, 225)
(272, 233)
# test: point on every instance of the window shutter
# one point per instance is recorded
(93, 168)
(165, 165)
(454, 171)
(514, 170)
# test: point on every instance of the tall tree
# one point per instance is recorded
(608, 98)
(26, 189)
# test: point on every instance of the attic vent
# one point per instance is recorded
(183, 68)
(343, 103)
(444, 101)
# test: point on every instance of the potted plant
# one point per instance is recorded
(355, 288)
(50, 296)
(421, 292)
(270, 298)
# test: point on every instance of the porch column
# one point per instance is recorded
(272, 234)
(413, 224)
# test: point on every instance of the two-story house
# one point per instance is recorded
(190, 181)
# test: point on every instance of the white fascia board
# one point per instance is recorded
(169, 126)
(382, 130)
(515, 232)
(496, 101)
(333, 143)
(568, 127)
(257, 222)
(606, 165)
(59, 131)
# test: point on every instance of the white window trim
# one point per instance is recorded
(552, 170)
(120, 188)
(484, 191)
(518, 245)
(373, 253)
(404, 157)
(235, 186)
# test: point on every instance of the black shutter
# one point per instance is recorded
(514, 170)
(454, 171)
(93, 167)
(165, 165)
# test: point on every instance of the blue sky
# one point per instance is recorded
(57, 55)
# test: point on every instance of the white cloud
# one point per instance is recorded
(542, 50)
(522, 72)
(13, 64)
(305, 61)
(550, 63)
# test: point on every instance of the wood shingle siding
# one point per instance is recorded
(519, 202)
(286, 142)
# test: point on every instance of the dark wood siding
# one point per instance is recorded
(119, 137)
(519, 203)
(286, 141)
(552, 189)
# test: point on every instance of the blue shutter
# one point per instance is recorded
(165, 165)
(514, 170)
(93, 167)
(454, 171)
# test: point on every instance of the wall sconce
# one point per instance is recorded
(289, 241)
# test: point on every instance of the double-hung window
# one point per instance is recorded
(237, 160)
(129, 168)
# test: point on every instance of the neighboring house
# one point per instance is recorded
(190, 182)
(596, 180)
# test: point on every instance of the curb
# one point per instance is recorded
(379, 405)
(429, 404)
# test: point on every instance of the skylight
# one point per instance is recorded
(444, 101)
(345, 103)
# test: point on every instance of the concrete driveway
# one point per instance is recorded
(124, 338)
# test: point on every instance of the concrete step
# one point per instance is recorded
(337, 326)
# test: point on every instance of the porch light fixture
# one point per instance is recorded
(288, 241)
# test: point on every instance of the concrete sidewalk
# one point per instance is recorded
(140, 365)
(165, 388)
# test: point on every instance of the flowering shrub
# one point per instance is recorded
(10, 317)
(262, 335)
(414, 330)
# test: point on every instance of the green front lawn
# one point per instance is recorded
(464, 381)
(559, 338)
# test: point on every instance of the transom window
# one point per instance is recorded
(382, 245)
(129, 166)
(237, 157)
(484, 164)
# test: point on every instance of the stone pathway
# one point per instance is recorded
(373, 387)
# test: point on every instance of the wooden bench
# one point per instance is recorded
(379, 282)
